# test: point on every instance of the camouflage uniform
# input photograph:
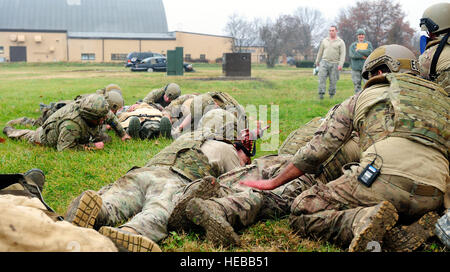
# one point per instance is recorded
(442, 66)
(146, 196)
(47, 111)
(156, 96)
(67, 127)
(149, 118)
(413, 168)
(179, 108)
(243, 206)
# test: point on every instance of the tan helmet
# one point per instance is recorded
(172, 90)
(113, 86)
(397, 58)
(436, 18)
(114, 99)
(93, 107)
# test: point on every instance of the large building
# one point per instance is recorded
(95, 31)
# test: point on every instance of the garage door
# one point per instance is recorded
(17, 53)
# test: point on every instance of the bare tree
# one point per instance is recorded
(243, 31)
(312, 28)
(381, 19)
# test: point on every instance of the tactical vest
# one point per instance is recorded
(144, 113)
(184, 156)
(300, 137)
(51, 127)
(411, 108)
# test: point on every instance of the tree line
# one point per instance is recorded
(302, 31)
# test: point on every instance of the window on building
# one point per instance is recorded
(87, 56)
(202, 56)
(2, 50)
(187, 57)
(118, 56)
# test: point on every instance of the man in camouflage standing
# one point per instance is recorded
(72, 126)
(404, 162)
(330, 60)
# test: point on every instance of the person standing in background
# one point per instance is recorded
(330, 59)
(358, 52)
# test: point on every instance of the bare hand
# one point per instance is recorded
(126, 137)
(259, 184)
(340, 68)
(99, 145)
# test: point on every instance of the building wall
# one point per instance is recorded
(195, 45)
(57, 47)
(40, 46)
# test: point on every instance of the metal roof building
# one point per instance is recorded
(95, 31)
(87, 18)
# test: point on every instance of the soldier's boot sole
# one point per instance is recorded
(384, 218)
(205, 188)
(7, 130)
(409, 238)
(86, 210)
(129, 241)
(218, 230)
(19, 121)
(165, 127)
(134, 127)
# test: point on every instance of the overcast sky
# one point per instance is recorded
(211, 16)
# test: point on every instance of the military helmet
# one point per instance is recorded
(115, 100)
(114, 87)
(172, 90)
(93, 107)
(436, 18)
(397, 58)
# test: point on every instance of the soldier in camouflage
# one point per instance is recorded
(141, 121)
(222, 208)
(111, 93)
(163, 96)
(410, 152)
(203, 103)
(435, 65)
(72, 126)
(144, 197)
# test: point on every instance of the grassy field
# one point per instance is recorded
(68, 173)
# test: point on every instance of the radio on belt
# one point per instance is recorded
(369, 175)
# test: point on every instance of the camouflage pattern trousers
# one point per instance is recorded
(244, 206)
(357, 80)
(143, 198)
(327, 211)
(328, 69)
(32, 136)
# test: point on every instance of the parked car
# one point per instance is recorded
(156, 64)
(134, 57)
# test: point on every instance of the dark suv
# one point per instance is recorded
(135, 57)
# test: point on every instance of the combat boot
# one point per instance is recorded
(34, 181)
(129, 241)
(370, 225)
(409, 238)
(166, 127)
(211, 217)
(134, 127)
(442, 229)
(203, 188)
(7, 130)
(84, 209)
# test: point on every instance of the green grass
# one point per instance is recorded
(68, 173)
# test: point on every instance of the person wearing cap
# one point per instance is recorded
(163, 96)
(330, 60)
(145, 196)
(72, 126)
(358, 53)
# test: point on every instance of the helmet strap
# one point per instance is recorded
(438, 52)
